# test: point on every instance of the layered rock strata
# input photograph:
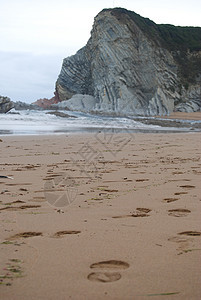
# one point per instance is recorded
(132, 66)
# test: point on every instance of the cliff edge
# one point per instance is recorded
(132, 66)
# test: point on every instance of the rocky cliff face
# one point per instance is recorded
(132, 66)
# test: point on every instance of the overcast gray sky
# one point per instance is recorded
(35, 36)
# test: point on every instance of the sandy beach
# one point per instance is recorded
(100, 216)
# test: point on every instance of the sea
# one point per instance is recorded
(32, 122)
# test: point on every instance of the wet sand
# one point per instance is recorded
(101, 216)
(185, 116)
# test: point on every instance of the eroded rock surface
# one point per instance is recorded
(5, 104)
(78, 102)
(132, 66)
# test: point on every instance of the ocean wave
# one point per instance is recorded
(40, 122)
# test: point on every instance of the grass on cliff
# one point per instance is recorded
(181, 41)
(170, 36)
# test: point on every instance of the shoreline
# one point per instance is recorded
(106, 131)
(196, 116)
(175, 123)
(190, 121)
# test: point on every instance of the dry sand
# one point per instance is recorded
(105, 216)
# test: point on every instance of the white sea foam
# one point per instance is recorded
(39, 122)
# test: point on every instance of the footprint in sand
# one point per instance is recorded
(9, 208)
(187, 186)
(18, 201)
(141, 180)
(178, 239)
(168, 200)
(25, 235)
(144, 210)
(110, 264)
(177, 173)
(39, 199)
(59, 234)
(180, 193)
(104, 277)
(13, 208)
(140, 212)
(17, 208)
(190, 233)
(180, 212)
(107, 266)
(15, 184)
(29, 206)
(183, 242)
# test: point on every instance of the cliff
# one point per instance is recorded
(132, 66)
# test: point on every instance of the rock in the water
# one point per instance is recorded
(133, 66)
(5, 104)
(25, 106)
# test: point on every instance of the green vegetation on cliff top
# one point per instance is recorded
(169, 36)
(183, 42)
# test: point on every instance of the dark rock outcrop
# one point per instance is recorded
(5, 104)
(25, 106)
(133, 66)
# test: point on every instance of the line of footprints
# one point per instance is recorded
(107, 271)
